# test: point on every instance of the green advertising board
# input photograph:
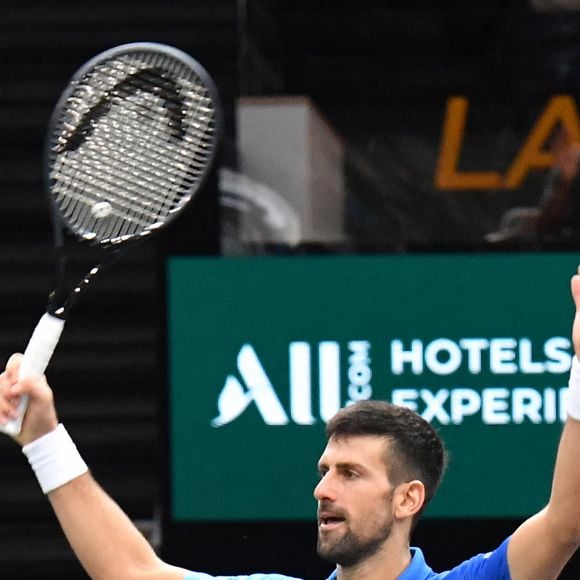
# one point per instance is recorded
(262, 351)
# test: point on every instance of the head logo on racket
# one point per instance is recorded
(136, 129)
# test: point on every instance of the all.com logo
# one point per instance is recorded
(252, 385)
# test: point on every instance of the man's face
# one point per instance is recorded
(354, 499)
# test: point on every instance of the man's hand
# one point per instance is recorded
(40, 417)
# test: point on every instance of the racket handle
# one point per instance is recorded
(35, 360)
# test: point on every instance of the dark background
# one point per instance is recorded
(381, 73)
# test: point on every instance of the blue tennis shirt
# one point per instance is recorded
(490, 566)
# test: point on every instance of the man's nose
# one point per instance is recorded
(325, 489)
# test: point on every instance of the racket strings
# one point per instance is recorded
(156, 155)
(119, 186)
(141, 153)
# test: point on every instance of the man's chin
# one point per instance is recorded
(325, 547)
(338, 557)
(327, 553)
(334, 553)
(346, 550)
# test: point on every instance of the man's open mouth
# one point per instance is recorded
(328, 522)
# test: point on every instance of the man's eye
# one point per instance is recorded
(350, 474)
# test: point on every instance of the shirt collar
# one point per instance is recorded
(417, 568)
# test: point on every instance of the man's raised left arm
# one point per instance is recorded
(541, 546)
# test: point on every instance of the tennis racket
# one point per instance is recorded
(129, 144)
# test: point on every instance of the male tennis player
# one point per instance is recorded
(380, 467)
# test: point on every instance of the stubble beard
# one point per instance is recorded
(351, 549)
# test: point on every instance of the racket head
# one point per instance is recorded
(130, 141)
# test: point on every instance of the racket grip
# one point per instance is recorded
(35, 360)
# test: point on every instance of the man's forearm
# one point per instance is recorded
(103, 538)
(564, 506)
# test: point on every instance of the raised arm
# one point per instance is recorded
(542, 546)
(104, 539)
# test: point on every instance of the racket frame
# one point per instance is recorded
(47, 332)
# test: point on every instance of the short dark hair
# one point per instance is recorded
(416, 451)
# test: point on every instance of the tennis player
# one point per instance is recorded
(380, 467)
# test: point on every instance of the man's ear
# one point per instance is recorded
(409, 498)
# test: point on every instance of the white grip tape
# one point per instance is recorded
(573, 395)
(35, 360)
(41, 345)
(55, 459)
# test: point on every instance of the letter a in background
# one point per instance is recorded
(233, 399)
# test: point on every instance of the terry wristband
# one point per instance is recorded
(55, 459)
(573, 396)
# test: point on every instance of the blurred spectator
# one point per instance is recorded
(555, 219)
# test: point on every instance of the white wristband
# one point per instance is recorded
(55, 459)
(573, 396)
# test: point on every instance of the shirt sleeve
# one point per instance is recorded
(492, 566)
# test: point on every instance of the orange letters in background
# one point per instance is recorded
(532, 156)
